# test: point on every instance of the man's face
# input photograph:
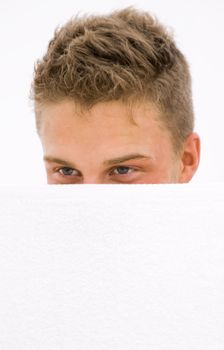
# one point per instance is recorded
(103, 145)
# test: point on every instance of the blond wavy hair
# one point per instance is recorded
(126, 55)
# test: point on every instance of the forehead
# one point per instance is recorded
(110, 116)
(107, 130)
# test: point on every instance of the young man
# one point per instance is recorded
(113, 103)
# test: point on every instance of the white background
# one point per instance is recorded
(25, 30)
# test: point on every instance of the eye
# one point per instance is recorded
(67, 171)
(122, 170)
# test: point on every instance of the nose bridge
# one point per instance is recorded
(92, 172)
(92, 179)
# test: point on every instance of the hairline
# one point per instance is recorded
(128, 102)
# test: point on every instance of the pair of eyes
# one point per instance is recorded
(120, 170)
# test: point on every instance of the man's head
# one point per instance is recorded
(112, 87)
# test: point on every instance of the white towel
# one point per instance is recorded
(112, 267)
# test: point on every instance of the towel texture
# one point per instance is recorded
(112, 267)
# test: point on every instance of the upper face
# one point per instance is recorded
(103, 145)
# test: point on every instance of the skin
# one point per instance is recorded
(92, 147)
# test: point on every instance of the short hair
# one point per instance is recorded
(126, 55)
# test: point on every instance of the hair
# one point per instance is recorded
(126, 55)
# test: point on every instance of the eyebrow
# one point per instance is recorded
(122, 159)
(125, 158)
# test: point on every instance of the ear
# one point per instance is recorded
(190, 157)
